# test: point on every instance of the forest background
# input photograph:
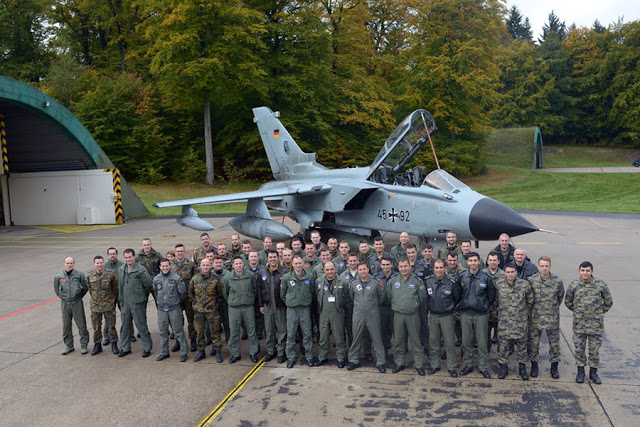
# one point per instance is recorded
(145, 76)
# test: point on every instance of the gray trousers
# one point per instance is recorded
(275, 322)
(371, 321)
(237, 316)
(299, 316)
(442, 327)
(139, 316)
(74, 311)
(173, 318)
(478, 327)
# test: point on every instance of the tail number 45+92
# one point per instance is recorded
(393, 215)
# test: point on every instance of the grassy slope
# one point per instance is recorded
(528, 189)
(518, 188)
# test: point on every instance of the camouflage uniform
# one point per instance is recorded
(589, 301)
(493, 310)
(150, 261)
(444, 251)
(235, 251)
(545, 315)
(205, 292)
(514, 306)
(186, 270)
(103, 288)
(199, 254)
(111, 266)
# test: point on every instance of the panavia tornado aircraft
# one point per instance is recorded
(360, 201)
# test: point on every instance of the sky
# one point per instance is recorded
(582, 12)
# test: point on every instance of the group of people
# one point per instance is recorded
(365, 298)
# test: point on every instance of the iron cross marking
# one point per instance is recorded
(393, 214)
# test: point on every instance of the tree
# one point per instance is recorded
(553, 28)
(23, 53)
(516, 28)
(452, 71)
(524, 91)
(204, 52)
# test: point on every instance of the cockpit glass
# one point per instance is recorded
(443, 180)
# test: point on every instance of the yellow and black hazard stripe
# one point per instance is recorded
(3, 140)
(117, 189)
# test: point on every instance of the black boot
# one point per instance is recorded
(176, 346)
(114, 348)
(580, 375)
(534, 369)
(504, 371)
(194, 345)
(97, 348)
(201, 355)
(554, 370)
(523, 372)
(593, 376)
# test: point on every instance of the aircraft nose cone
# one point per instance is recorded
(490, 218)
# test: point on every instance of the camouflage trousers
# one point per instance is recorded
(580, 343)
(110, 325)
(533, 345)
(213, 318)
(503, 349)
(187, 307)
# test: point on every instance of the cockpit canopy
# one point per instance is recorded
(403, 143)
(443, 180)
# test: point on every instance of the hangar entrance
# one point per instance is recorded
(53, 171)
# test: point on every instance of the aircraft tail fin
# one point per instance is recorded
(281, 148)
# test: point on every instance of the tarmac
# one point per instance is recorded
(42, 387)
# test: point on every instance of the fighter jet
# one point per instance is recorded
(363, 201)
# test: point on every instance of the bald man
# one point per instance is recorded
(70, 286)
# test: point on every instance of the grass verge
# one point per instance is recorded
(576, 156)
(529, 189)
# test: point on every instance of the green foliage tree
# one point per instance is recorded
(23, 52)
(205, 51)
(516, 26)
(120, 112)
(553, 28)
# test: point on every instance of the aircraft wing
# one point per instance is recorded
(269, 194)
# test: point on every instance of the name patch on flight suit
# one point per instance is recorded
(367, 287)
(412, 286)
(483, 285)
(446, 292)
(306, 282)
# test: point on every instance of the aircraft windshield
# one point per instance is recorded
(443, 180)
(404, 142)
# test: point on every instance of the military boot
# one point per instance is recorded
(534, 369)
(97, 348)
(554, 370)
(523, 372)
(593, 376)
(201, 355)
(580, 375)
(504, 371)
(194, 345)
(114, 348)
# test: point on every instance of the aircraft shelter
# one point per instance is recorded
(53, 171)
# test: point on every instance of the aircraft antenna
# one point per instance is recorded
(433, 150)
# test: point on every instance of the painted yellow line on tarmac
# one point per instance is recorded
(599, 243)
(75, 228)
(208, 419)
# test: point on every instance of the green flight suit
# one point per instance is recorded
(297, 293)
(70, 287)
(366, 297)
(134, 287)
(331, 297)
(240, 294)
(406, 296)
